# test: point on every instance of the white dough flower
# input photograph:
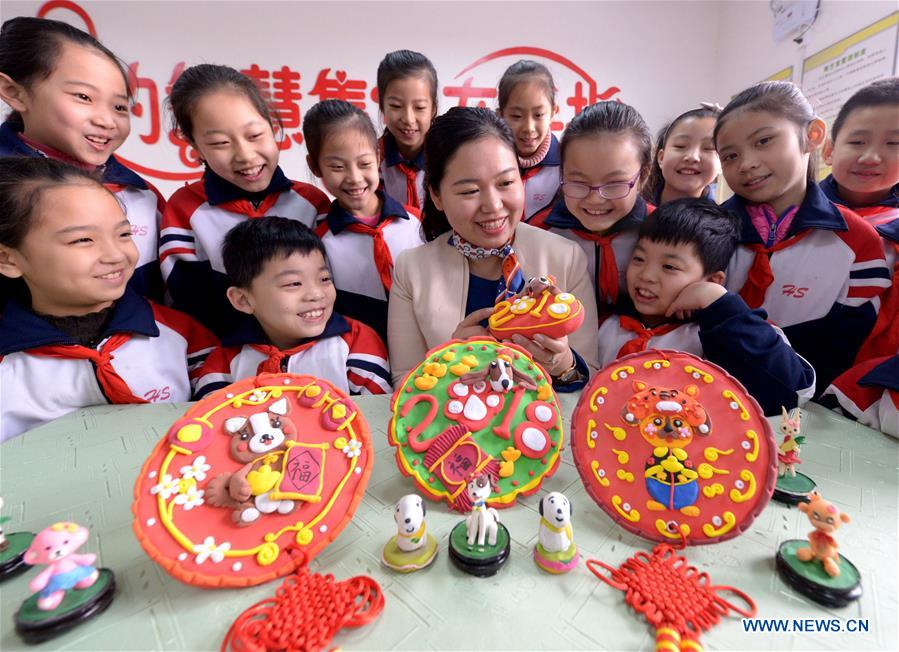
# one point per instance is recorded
(167, 487)
(208, 550)
(197, 469)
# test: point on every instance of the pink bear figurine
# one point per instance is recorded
(56, 546)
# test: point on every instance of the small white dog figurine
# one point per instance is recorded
(482, 522)
(555, 533)
(411, 529)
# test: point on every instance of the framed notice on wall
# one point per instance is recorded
(831, 76)
(782, 75)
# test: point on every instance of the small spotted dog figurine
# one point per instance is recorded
(826, 519)
(411, 529)
(555, 533)
(482, 522)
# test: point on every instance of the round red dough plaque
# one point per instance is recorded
(267, 464)
(669, 444)
(476, 406)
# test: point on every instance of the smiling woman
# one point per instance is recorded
(478, 251)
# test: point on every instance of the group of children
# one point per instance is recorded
(112, 294)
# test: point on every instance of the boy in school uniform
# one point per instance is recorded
(678, 301)
(280, 278)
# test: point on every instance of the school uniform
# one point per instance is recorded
(729, 334)
(821, 284)
(607, 255)
(884, 337)
(148, 353)
(883, 212)
(361, 258)
(403, 179)
(869, 393)
(347, 353)
(541, 181)
(194, 225)
(142, 203)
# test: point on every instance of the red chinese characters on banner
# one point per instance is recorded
(283, 95)
(575, 88)
(339, 87)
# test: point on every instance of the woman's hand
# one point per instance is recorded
(553, 355)
(471, 325)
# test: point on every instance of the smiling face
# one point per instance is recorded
(528, 113)
(408, 111)
(865, 156)
(348, 167)
(237, 143)
(656, 275)
(292, 298)
(764, 159)
(597, 160)
(481, 192)
(81, 109)
(78, 255)
(689, 161)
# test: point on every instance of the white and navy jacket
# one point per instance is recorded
(142, 203)
(560, 220)
(194, 225)
(732, 336)
(880, 213)
(158, 362)
(869, 392)
(396, 184)
(361, 294)
(827, 284)
(347, 353)
(541, 182)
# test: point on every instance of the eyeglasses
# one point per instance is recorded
(615, 190)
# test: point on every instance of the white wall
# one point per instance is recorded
(623, 44)
(747, 51)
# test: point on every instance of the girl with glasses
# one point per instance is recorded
(606, 156)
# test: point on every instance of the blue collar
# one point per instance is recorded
(561, 218)
(250, 332)
(890, 231)
(393, 157)
(706, 194)
(339, 218)
(831, 189)
(886, 374)
(21, 329)
(219, 191)
(113, 171)
(553, 154)
(815, 212)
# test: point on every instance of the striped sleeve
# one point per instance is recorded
(367, 368)
(874, 406)
(216, 371)
(869, 274)
(200, 341)
(177, 241)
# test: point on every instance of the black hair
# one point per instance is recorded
(31, 47)
(611, 117)
(448, 132)
(712, 229)
(329, 115)
(402, 64)
(23, 182)
(780, 98)
(251, 244)
(525, 71)
(656, 181)
(884, 92)
(198, 81)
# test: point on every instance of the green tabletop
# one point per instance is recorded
(82, 468)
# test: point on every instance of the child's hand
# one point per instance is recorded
(695, 296)
(553, 355)
(471, 325)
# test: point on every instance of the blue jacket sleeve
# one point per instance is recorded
(755, 353)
